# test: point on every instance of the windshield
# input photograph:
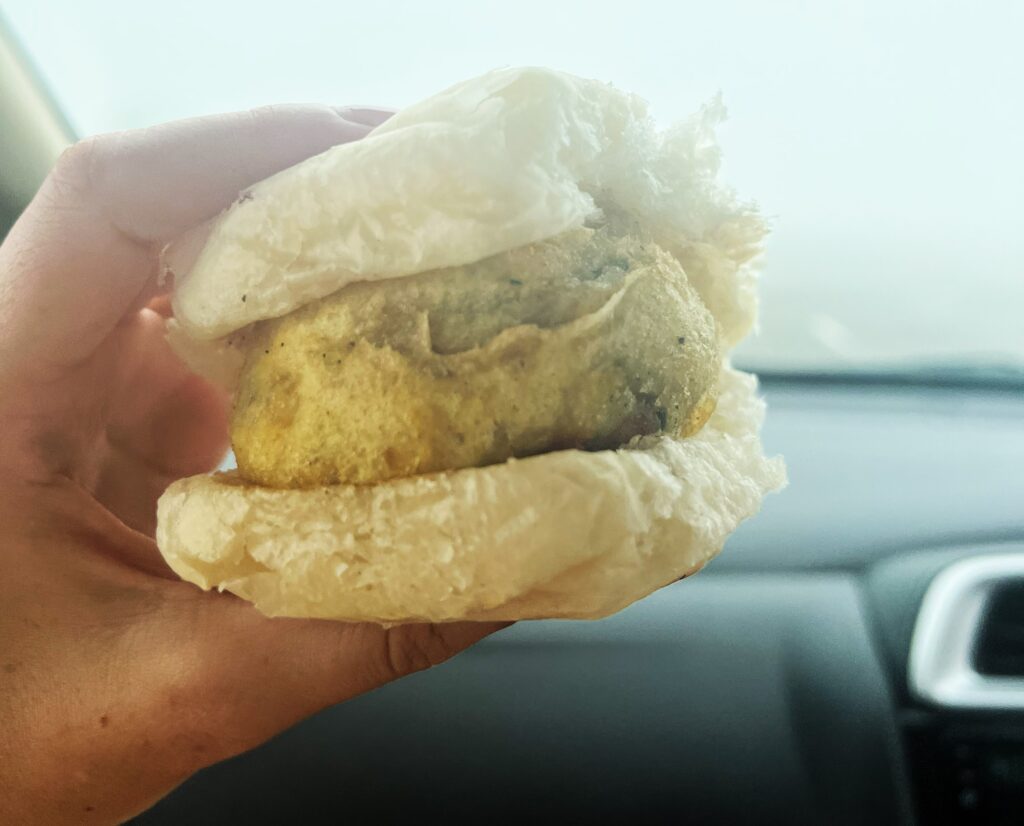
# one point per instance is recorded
(882, 140)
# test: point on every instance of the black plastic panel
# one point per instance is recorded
(967, 770)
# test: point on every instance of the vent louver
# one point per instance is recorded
(999, 647)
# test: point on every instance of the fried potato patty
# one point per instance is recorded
(581, 341)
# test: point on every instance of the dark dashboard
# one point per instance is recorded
(772, 688)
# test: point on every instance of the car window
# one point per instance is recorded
(883, 148)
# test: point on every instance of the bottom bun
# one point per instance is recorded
(567, 534)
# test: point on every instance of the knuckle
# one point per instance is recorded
(266, 114)
(411, 648)
(90, 175)
(75, 164)
(77, 176)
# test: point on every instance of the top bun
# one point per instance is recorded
(506, 159)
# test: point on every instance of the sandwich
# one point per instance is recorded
(480, 363)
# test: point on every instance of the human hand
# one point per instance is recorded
(117, 681)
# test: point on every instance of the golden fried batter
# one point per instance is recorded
(584, 340)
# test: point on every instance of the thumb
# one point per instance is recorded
(84, 252)
(254, 676)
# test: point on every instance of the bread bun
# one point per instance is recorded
(490, 165)
(566, 534)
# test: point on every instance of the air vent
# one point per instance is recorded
(967, 650)
(999, 647)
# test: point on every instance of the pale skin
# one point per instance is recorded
(117, 680)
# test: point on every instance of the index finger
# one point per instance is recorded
(86, 248)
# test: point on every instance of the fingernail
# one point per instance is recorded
(371, 116)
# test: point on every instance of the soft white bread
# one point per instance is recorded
(567, 534)
(510, 158)
(496, 162)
